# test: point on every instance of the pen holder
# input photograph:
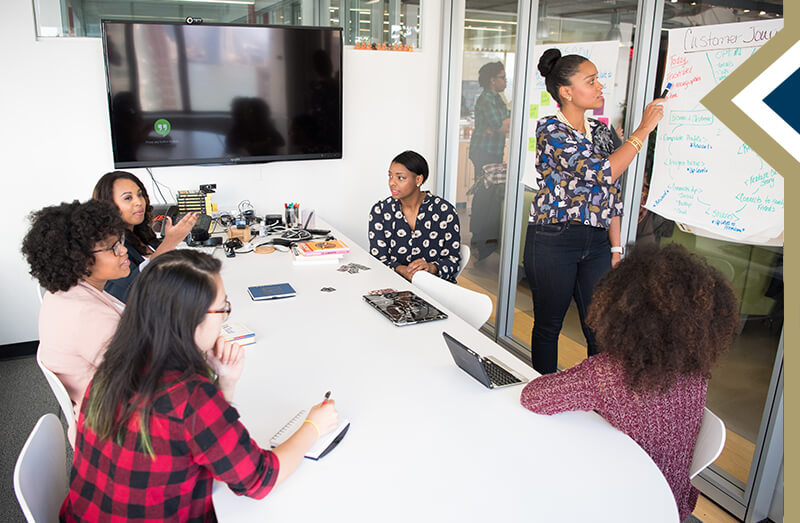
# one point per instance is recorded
(293, 217)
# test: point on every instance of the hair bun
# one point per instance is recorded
(548, 61)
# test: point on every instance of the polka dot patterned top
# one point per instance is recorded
(437, 237)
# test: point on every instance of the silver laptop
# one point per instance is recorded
(490, 371)
(404, 307)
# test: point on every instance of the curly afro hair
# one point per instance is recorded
(663, 312)
(59, 244)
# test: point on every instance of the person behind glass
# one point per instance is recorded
(128, 193)
(487, 146)
(663, 317)
(156, 427)
(73, 249)
(412, 230)
(573, 233)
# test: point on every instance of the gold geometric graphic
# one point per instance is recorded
(720, 102)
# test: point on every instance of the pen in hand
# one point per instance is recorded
(327, 396)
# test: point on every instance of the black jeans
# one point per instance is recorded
(562, 261)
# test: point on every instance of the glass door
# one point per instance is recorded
(741, 389)
(484, 93)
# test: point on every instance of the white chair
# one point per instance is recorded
(40, 475)
(465, 254)
(473, 307)
(60, 393)
(40, 293)
(710, 441)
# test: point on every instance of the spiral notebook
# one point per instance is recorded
(322, 446)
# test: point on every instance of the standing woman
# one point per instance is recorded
(413, 230)
(157, 428)
(576, 210)
(127, 192)
(487, 146)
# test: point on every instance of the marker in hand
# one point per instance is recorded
(666, 90)
(327, 396)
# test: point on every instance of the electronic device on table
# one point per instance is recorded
(404, 307)
(246, 123)
(488, 370)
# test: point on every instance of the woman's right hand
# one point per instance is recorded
(324, 416)
(653, 114)
(175, 233)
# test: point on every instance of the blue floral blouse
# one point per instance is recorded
(575, 175)
(436, 238)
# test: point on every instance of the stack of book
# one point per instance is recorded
(319, 252)
(239, 333)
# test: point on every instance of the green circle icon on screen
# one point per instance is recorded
(162, 127)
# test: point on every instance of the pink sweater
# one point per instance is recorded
(665, 426)
(74, 329)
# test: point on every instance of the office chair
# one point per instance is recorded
(40, 475)
(709, 444)
(473, 307)
(61, 394)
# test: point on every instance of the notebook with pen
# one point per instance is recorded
(488, 370)
(322, 446)
(404, 307)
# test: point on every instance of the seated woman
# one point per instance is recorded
(127, 192)
(155, 429)
(73, 249)
(662, 318)
(413, 230)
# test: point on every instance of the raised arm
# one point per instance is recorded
(624, 155)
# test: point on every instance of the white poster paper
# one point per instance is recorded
(704, 176)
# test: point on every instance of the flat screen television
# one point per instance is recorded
(183, 94)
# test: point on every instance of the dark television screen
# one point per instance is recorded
(207, 94)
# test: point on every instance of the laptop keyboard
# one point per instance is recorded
(498, 374)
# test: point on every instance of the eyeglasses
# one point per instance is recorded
(116, 248)
(226, 310)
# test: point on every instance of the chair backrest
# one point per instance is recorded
(473, 307)
(710, 441)
(40, 292)
(60, 392)
(465, 254)
(40, 475)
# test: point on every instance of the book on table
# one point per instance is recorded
(238, 332)
(323, 248)
(299, 259)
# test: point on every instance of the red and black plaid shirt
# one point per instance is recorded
(196, 437)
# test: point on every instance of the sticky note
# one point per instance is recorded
(545, 99)
(531, 143)
(534, 111)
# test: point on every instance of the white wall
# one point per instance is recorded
(55, 142)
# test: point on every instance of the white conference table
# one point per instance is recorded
(426, 441)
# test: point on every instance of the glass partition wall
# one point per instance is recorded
(627, 41)
(364, 21)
